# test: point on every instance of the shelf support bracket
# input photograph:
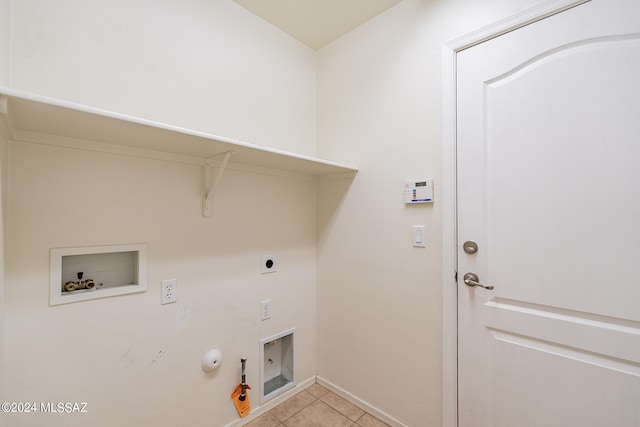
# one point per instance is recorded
(210, 189)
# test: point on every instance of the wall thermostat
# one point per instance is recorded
(418, 191)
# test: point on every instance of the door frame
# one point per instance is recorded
(449, 186)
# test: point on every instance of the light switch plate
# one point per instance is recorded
(419, 236)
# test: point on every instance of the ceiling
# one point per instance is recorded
(317, 22)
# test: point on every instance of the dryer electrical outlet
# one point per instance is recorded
(269, 264)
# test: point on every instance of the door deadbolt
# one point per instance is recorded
(470, 247)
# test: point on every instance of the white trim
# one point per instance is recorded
(513, 22)
(449, 232)
(449, 261)
(379, 414)
(263, 409)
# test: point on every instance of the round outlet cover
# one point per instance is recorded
(269, 264)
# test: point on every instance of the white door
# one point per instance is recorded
(548, 180)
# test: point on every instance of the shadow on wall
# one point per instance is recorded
(331, 192)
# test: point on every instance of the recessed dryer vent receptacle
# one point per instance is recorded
(277, 367)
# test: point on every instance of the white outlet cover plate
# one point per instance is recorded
(266, 267)
(265, 310)
(168, 291)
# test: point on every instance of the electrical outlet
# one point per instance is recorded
(268, 264)
(265, 309)
(169, 291)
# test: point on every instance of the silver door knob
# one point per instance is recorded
(471, 279)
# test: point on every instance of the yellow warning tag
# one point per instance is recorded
(243, 406)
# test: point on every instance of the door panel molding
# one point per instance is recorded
(449, 288)
(576, 354)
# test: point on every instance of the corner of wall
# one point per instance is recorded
(3, 192)
(5, 72)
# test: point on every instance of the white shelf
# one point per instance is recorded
(36, 114)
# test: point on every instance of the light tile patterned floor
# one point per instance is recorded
(316, 407)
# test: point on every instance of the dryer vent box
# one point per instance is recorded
(277, 367)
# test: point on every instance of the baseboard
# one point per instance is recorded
(262, 409)
(382, 416)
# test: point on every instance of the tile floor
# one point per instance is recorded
(316, 407)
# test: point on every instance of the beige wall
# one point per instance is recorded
(5, 34)
(3, 205)
(199, 64)
(380, 299)
(134, 361)
(129, 356)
